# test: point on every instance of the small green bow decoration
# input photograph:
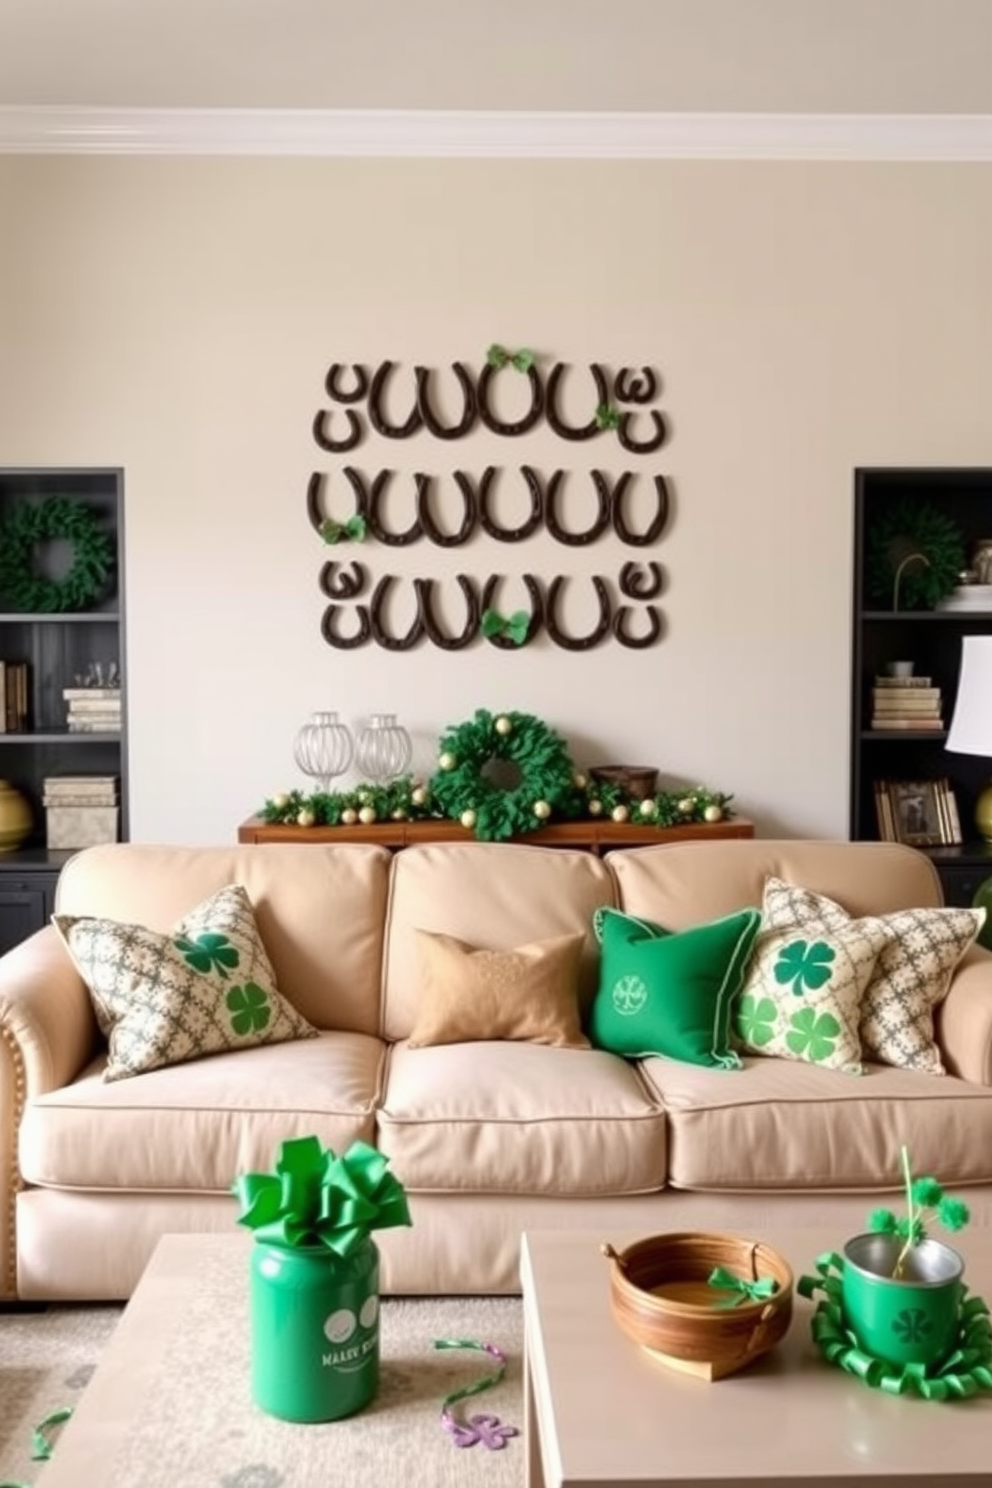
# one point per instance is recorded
(351, 531)
(315, 1197)
(607, 417)
(498, 356)
(745, 1291)
(514, 627)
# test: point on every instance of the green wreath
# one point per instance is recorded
(32, 523)
(502, 775)
(915, 556)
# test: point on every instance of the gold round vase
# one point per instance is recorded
(15, 818)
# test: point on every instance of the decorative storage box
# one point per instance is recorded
(80, 826)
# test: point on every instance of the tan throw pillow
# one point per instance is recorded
(911, 976)
(204, 988)
(468, 994)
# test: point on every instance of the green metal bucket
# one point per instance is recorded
(314, 1330)
(912, 1320)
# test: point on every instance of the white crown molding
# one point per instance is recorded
(492, 134)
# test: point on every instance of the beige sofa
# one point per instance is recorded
(489, 1138)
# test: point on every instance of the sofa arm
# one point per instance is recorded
(963, 1021)
(48, 1032)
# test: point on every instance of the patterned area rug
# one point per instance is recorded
(47, 1359)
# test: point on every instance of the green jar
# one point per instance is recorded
(314, 1330)
(912, 1320)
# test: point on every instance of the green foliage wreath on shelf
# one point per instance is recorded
(915, 556)
(31, 524)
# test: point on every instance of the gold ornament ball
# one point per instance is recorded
(305, 818)
(280, 801)
(399, 814)
(542, 810)
(503, 726)
(713, 813)
(687, 805)
(367, 816)
(579, 780)
(349, 816)
(595, 807)
(467, 819)
(620, 813)
(648, 807)
(418, 795)
(447, 761)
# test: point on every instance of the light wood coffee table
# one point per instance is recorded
(601, 1412)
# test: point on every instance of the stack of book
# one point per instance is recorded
(81, 810)
(13, 697)
(93, 710)
(906, 703)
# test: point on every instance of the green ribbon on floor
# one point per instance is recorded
(41, 1447)
(315, 1197)
(964, 1373)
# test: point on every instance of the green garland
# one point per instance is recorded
(58, 517)
(905, 529)
(461, 791)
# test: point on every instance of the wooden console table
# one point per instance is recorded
(594, 836)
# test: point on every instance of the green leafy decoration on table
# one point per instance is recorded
(249, 1008)
(925, 1201)
(514, 626)
(353, 530)
(498, 356)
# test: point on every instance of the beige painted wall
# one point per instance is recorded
(177, 318)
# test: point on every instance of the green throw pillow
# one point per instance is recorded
(670, 993)
(205, 987)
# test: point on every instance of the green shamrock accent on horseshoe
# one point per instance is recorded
(351, 531)
(498, 356)
(514, 627)
(813, 1035)
(756, 1020)
(249, 1008)
(607, 417)
(806, 964)
(208, 952)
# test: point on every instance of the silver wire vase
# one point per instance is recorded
(383, 749)
(323, 748)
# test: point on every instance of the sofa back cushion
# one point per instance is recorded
(320, 910)
(495, 895)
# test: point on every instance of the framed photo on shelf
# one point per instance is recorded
(918, 812)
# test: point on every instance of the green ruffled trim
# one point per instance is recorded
(967, 1370)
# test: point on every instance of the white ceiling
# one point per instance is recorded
(789, 56)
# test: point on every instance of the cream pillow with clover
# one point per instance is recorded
(803, 991)
(205, 987)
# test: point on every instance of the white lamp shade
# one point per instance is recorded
(971, 726)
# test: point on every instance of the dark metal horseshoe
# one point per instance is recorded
(368, 500)
(636, 584)
(334, 391)
(315, 500)
(558, 532)
(577, 643)
(425, 609)
(343, 586)
(429, 527)
(629, 388)
(536, 610)
(328, 628)
(379, 633)
(518, 426)
(378, 419)
(563, 430)
(431, 421)
(641, 446)
(338, 446)
(656, 527)
(637, 643)
(527, 527)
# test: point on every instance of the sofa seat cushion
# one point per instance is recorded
(783, 1124)
(497, 1117)
(194, 1127)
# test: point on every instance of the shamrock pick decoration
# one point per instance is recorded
(925, 1199)
(498, 356)
(607, 417)
(514, 627)
(351, 531)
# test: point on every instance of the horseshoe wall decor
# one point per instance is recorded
(558, 532)
(566, 431)
(425, 609)
(368, 499)
(429, 527)
(656, 526)
(599, 631)
(625, 636)
(504, 643)
(432, 423)
(337, 393)
(629, 388)
(377, 418)
(528, 527)
(315, 500)
(641, 446)
(636, 584)
(356, 431)
(380, 634)
(333, 637)
(343, 585)
(516, 426)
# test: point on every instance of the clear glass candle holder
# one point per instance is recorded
(323, 748)
(383, 749)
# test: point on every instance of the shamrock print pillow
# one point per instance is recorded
(204, 988)
(803, 990)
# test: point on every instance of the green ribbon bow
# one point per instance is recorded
(317, 1198)
(498, 356)
(746, 1291)
(607, 417)
(967, 1370)
(514, 627)
(351, 531)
